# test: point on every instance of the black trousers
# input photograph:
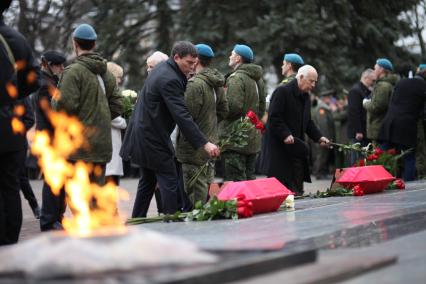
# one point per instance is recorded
(173, 196)
(53, 206)
(10, 200)
(24, 183)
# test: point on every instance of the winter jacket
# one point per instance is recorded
(245, 90)
(378, 105)
(206, 102)
(26, 80)
(83, 96)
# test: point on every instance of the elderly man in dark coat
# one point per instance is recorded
(399, 128)
(159, 108)
(289, 120)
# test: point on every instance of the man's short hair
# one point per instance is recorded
(295, 66)
(115, 69)
(304, 71)
(85, 44)
(184, 48)
(204, 60)
(367, 72)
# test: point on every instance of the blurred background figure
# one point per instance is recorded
(114, 169)
(323, 118)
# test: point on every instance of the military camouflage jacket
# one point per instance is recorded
(377, 107)
(245, 90)
(206, 102)
(82, 95)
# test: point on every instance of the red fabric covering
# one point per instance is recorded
(266, 194)
(371, 178)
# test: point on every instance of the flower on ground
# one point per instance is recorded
(244, 207)
(391, 152)
(399, 183)
(289, 202)
(358, 190)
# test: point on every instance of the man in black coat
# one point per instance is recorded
(52, 66)
(24, 82)
(289, 120)
(399, 128)
(160, 106)
(357, 115)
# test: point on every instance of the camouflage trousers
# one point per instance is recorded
(238, 166)
(199, 190)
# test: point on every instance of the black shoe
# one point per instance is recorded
(36, 211)
(57, 226)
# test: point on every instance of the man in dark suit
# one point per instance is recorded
(160, 106)
(289, 120)
(357, 115)
(23, 82)
(399, 128)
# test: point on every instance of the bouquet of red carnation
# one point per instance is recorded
(255, 121)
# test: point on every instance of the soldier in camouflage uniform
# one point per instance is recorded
(340, 116)
(206, 102)
(245, 90)
(323, 118)
(377, 106)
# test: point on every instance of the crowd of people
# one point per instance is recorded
(182, 110)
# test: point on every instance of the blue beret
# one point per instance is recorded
(422, 66)
(294, 58)
(85, 31)
(385, 63)
(204, 50)
(244, 51)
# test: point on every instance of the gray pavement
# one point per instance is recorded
(30, 226)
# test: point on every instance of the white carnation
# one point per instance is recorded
(129, 93)
(289, 201)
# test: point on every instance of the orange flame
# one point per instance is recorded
(12, 90)
(18, 126)
(93, 207)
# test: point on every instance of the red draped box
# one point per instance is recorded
(371, 178)
(266, 194)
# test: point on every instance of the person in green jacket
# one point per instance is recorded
(377, 105)
(206, 102)
(245, 90)
(323, 117)
(89, 92)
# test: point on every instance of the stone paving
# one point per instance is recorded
(30, 226)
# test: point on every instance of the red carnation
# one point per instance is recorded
(399, 183)
(253, 117)
(378, 151)
(244, 207)
(255, 120)
(372, 157)
(360, 163)
(358, 190)
(391, 152)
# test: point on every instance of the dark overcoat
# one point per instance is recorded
(289, 114)
(22, 53)
(160, 106)
(406, 106)
(357, 115)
